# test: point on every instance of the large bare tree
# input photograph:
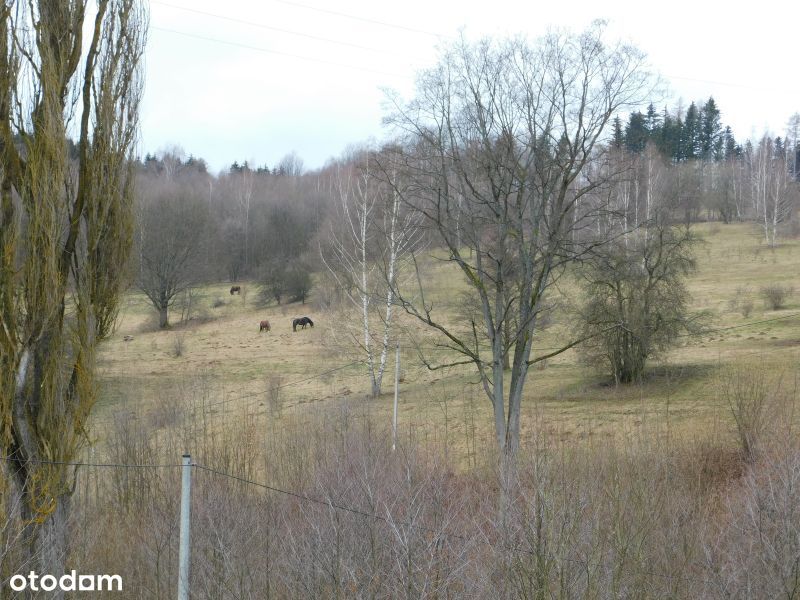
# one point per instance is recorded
(171, 230)
(65, 236)
(499, 145)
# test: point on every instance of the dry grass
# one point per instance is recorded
(234, 359)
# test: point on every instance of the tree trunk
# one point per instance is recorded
(506, 337)
(498, 402)
(47, 541)
(44, 530)
(163, 317)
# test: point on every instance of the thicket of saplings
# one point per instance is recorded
(658, 516)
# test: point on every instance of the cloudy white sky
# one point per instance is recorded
(255, 79)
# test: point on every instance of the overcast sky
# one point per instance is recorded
(255, 79)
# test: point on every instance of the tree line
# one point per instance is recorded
(244, 224)
(714, 176)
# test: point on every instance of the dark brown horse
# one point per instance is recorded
(302, 322)
(236, 289)
(264, 325)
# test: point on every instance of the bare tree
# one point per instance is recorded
(65, 235)
(170, 235)
(772, 188)
(366, 254)
(636, 304)
(291, 165)
(497, 147)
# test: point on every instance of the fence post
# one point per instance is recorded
(396, 386)
(184, 548)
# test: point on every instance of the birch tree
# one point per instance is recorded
(773, 193)
(495, 140)
(366, 254)
(65, 236)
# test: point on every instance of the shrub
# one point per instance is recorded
(280, 280)
(178, 345)
(298, 281)
(742, 302)
(746, 307)
(776, 295)
(747, 395)
(636, 300)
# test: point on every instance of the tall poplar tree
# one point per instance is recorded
(65, 236)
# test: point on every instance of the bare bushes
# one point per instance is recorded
(776, 295)
(742, 301)
(321, 507)
(754, 551)
(178, 344)
(601, 522)
(361, 521)
(636, 301)
(748, 396)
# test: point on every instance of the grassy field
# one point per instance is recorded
(226, 368)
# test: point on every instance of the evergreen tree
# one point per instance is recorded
(730, 148)
(708, 135)
(668, 135)
(679, 149)
(653, 122)
(690, 134)
(779, 149)
(617, 138)
(636, 134)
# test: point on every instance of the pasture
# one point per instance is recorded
(220, 364)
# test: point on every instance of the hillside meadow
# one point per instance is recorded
(218, 365)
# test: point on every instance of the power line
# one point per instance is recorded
(86, 464)
(733, 84)
(363, 19)
(276, 52)
(270, 27)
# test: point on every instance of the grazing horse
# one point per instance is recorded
(302, 321)
(236, 289)
(264, 325)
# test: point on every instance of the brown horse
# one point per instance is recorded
(236, 289)
(263, 325)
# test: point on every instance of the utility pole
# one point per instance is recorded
(396, 388)
(184, 548)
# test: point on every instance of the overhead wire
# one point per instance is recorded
(270, 27)
(276, 52)
(362, 19)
